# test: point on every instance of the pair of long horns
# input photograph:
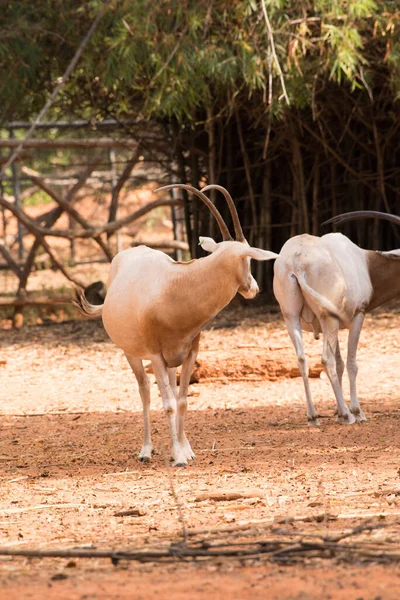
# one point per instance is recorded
(226, 236)
(373, 214)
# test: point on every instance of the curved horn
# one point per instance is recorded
(232, 208)
(359, 214)
(222, 225)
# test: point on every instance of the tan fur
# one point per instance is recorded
(155, 309)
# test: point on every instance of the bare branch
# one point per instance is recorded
(120, 183)
(65, 205)
(14, 266)
(48, 220)
(88, 233)
(56, 90)
(38, 233)
(272, 44)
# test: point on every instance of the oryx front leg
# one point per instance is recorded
(330, 329)
(352, 369)
(169, 403)
(294, 329)
(144, 391)
(339, 368)
(186, 372)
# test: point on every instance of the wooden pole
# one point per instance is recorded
(114, 196)
(40, 143)
(17, 198)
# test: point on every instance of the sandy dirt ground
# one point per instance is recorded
(71, 429)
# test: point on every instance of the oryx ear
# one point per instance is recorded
(259, 254)
(208, 244)
(395, 254)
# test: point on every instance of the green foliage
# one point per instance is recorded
(174, 57)
(347, 57)
(39, 198)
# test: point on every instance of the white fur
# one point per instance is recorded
(326, 284)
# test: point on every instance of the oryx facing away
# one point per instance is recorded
(155, 309)
(327, 283)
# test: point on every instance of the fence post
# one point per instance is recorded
(114, 183)
(17, 196)
(4, 219)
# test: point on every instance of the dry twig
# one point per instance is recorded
(281, 547)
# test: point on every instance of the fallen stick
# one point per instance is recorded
(115, 556)
(47, 413)
(376, 515)
(239, 448)
(266, 522)
(123, 473)
(317, 518)
(14, 511)
(228, 496)
(376, 493)
(271, 549)
(23, 477)
(131, 512)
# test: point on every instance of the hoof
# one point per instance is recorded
(347, 419)
(358, 415)
(360, 419)
(144, 458)
(314, 422)
(145, 454)
(180, 464)
(190, 455)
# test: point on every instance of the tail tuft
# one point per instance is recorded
(89, 310)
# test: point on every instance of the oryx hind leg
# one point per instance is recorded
(330, 330)
(293, 326)
(144, 390)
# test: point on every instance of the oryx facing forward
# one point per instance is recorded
(155, 309)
